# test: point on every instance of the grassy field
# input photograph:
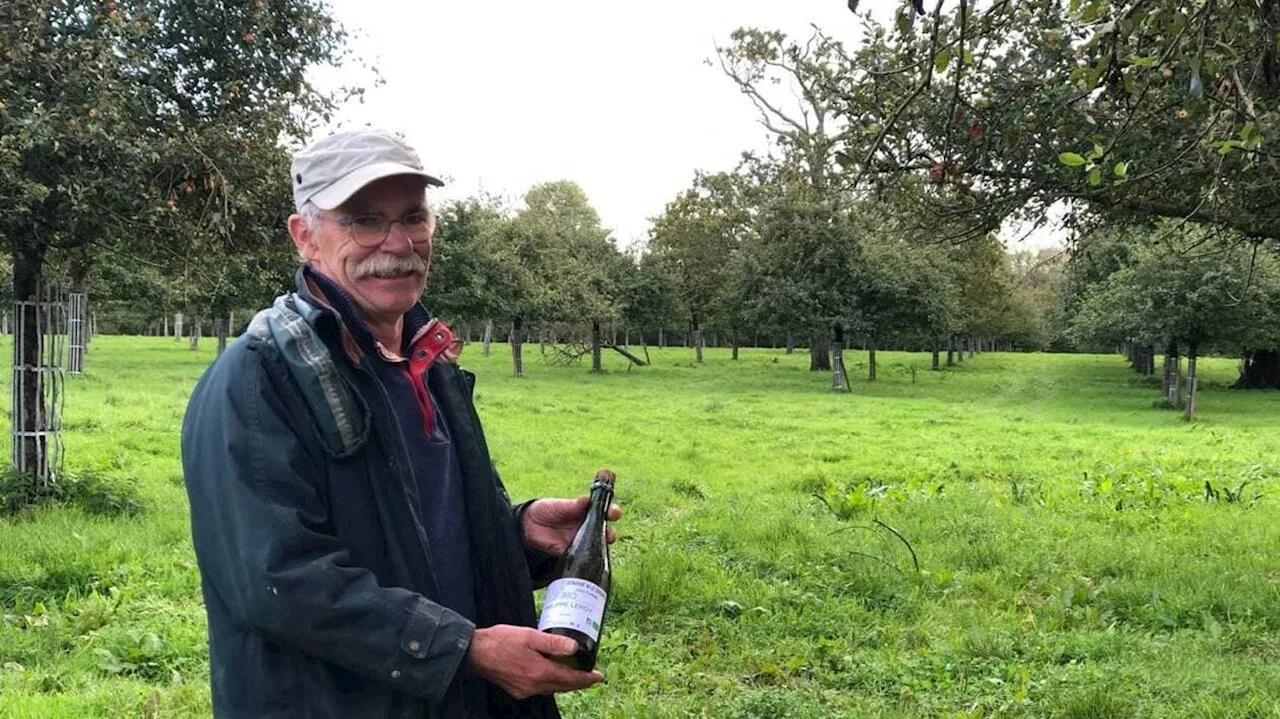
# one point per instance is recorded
(1070, 564)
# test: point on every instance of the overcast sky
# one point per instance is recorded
(499, 95)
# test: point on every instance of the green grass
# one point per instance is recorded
(1070, 564)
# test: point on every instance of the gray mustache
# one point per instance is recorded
(384, 265)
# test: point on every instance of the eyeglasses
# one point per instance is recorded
(372, 230)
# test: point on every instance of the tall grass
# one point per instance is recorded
(1072, 562)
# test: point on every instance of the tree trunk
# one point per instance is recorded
(1143, 360)
(1191, 382)
(733, 343)
(195, 334)
(1259, 370)
(697, 339)
(937, 349)
(626, 337)
(662, 337)
(1169, 382)
(595, 346)
(177, 326)
(791, 343)
(220, 332)
(517, 362)
(871, 359)
(839, 383)
(31, 455)
(1148, 359)
(1164, 376)
(969, 340)
(166, 325)
(488, 337)
(951, 351)
(819, 353)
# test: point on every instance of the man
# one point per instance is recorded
(359, 555)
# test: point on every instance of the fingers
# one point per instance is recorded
(614, 513)
(575, 508)
(570, 680)
(552, 644)
(561, 678)
(610, 536)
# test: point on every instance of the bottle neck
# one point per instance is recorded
(601, 498)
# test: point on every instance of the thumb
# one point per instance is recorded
(553, 644)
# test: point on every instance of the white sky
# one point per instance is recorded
(499, 95)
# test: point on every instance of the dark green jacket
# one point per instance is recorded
(315, 566)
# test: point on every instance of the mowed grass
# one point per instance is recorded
(1070, 563)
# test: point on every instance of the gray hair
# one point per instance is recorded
(311, 215)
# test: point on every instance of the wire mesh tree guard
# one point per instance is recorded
(39, 347)
(77, 331)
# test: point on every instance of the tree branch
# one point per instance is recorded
(902, 107)
(757, 98)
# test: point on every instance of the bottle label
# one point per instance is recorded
(573, 604)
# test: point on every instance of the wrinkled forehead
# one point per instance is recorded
(390, 196)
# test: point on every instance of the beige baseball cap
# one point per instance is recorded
(335, 167)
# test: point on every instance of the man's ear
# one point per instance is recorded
(303, 239)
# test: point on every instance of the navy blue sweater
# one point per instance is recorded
(435, 465)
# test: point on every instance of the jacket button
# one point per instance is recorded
(395, 673)
(414, 645)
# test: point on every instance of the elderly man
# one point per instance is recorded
(358, 552)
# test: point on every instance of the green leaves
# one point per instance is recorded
(941, 60)
(904, 23)
(1094, 165)
(1071, 159)
(1249, 139)
(1149, 82)
(159, 148)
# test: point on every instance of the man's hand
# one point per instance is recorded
(515, 659)
(550, 524)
